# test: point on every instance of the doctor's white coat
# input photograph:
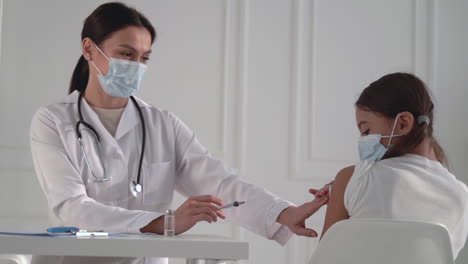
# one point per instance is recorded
(174, 160)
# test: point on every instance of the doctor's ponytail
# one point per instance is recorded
(98, 26)
(80, 76)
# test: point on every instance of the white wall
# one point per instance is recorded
(451, 79)
(268, 85)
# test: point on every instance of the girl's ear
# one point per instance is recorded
(405, 123)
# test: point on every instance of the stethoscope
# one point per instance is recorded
(134, 186)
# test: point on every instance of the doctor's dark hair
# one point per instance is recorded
(98, 26)
(403, 92)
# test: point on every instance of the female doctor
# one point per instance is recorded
(109, 161)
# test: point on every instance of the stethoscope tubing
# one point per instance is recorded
(136, 184)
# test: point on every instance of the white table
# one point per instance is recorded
(196, 249)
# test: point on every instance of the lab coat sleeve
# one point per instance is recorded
(198, 173)
(64, 188)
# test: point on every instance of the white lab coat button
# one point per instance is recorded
(116, 155)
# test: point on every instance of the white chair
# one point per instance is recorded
(15, 259)
(384, 242)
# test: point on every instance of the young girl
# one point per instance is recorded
(403, 171)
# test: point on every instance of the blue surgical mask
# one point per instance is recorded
(370, 147)
(123, 78)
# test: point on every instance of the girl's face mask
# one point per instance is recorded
(370, 147)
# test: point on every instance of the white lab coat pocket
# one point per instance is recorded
(70, 142)
(158, 185)
(76, 155)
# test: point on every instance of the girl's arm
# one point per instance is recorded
(336, 210)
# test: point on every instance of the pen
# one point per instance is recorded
(234, 204)
(84, 233)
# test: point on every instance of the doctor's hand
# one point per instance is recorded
(195, 209)
(294, 217)
(325, 191)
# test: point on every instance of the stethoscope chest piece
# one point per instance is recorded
(135, 188)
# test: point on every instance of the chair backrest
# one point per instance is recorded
(15, 259)
(384, 242)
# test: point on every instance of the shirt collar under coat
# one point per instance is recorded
(130, 117)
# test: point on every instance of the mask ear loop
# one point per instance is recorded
(92, 62)
(101, 52)
(393, 131)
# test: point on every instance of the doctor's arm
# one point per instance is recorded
(64, 187)
(336, 210)
(198, 173)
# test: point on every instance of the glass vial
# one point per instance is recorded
(169, 223)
